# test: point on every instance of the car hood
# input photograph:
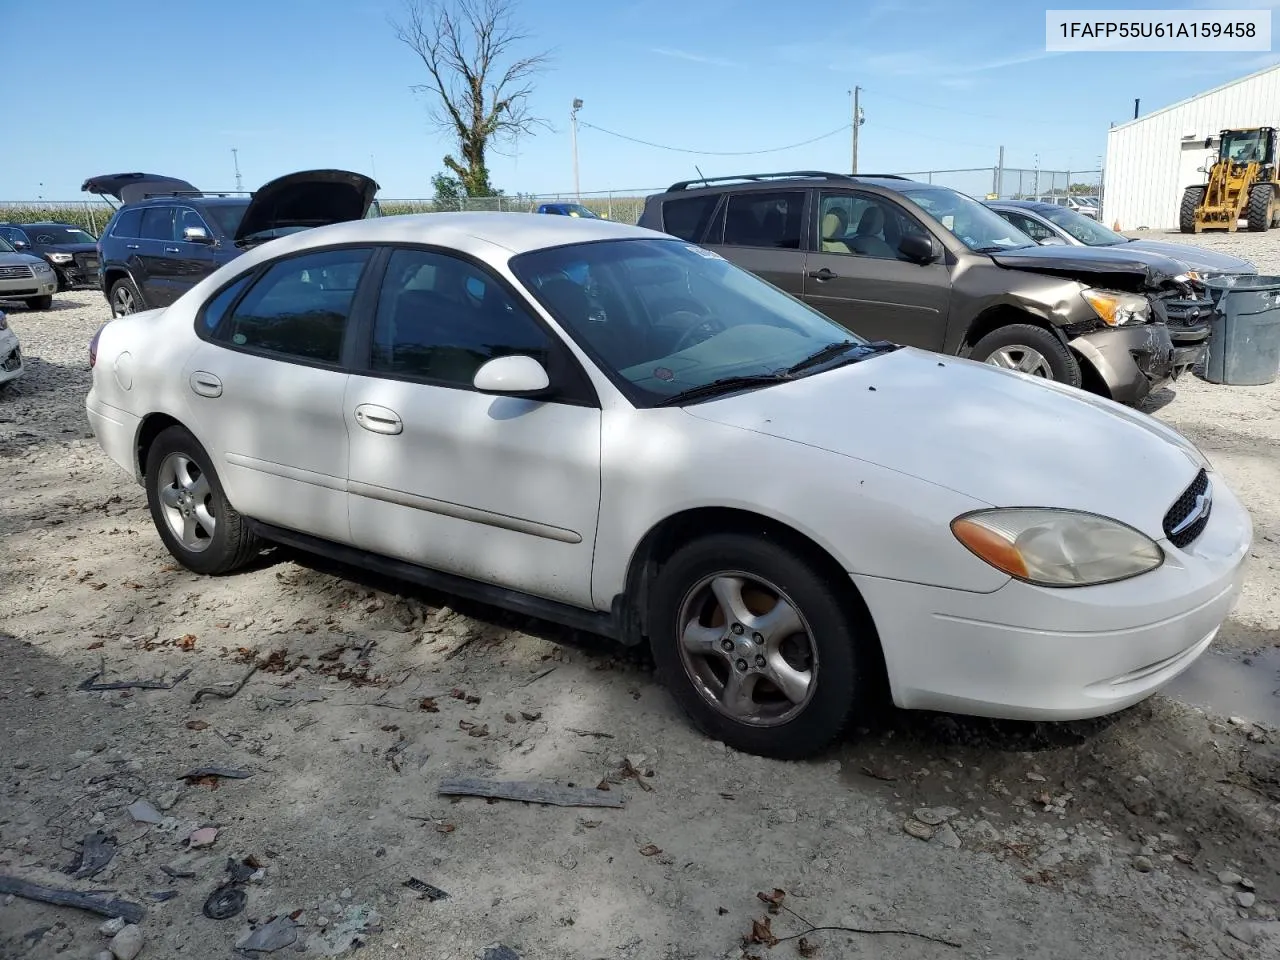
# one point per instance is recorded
(1133, 269)
(1196, 258)
(999, 437)
(310, 198)
(68, 247)
(132, 187)
(18, 259)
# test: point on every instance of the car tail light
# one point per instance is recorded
(93, 346)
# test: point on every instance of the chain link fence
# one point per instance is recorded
(1014, 183)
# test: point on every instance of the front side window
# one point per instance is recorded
(975, 225)
(14, 235)
(440, 318)
(1086, 229)
(664, 316)
(157, 223)
(128, 224)
(186, 217)
(1033, 229)
(765, 220)
(863, 225)
(299, 308)
(5, 245)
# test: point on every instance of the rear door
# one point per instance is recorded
(856, 276)
(763, 231)
(153, 248)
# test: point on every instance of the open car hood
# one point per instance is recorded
(1132, 268)
(132, 187)
(309, 198)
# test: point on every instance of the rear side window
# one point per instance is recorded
(764, 220)
(128, 224)
(299, 308)
(688, 218)
(216, 309)
(157, 223)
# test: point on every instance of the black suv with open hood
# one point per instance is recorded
(167, 235)
(920, 264)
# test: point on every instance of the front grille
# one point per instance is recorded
(15, 273)
(1194, 502)
(87, 262)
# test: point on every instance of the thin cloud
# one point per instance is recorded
(692, 57)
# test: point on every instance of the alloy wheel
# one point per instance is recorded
(1023, 359)
(186, 499)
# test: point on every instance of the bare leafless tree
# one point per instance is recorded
(478, 82)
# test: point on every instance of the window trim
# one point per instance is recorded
(564, 369)
(359, 303)
(720, 218)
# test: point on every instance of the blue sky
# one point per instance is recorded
(293, 84)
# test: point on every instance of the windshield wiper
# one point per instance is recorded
(722, 386)
(833, 350)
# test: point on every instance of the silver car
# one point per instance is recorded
(26, 278)
(10, 354)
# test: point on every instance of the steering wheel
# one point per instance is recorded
(698, 323)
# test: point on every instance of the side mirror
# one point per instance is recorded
(20, 244)
(196, 235)
(513, 376)
(918, 248)
(1052, 242)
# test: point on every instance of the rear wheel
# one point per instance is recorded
(1258, 213)
(758, 646)
(125, 298)
(196, 522)
(39, 303)
(1028, 349)
(1192, 197)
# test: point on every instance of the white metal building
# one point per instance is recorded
(1150, 160)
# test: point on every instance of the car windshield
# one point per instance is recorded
(577, 210)
(979, 228)
(1085, 229)
(228, 215)
(662, 317)
(60, 234)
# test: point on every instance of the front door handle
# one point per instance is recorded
(824, 274)
(378, 419)
(172, 250)
(131, 246)
(205, 384)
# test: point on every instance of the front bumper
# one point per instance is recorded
(1030, 653)
(37, 285)
(80, 272)
(1134, 360)
(11, 363)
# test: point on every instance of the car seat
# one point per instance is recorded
(869, 237)
(835, 227)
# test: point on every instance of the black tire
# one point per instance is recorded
(125, 298)
(1258, 212)
(39, 303)
(1192, 197)
(231, 545)
(1062, 364)
(841, 635)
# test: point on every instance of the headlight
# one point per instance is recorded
(60, 258)
(41, 267)
(1117, 309)
(1057, 548)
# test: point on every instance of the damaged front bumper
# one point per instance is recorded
(1135, 360)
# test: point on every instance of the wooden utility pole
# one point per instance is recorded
(857, 122)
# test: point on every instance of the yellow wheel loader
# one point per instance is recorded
(1242, 185)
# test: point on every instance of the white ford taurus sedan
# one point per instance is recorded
(620, 431)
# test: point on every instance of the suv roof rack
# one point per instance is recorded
(198, 193)
(785, 175)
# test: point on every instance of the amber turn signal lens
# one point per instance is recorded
(991, 547)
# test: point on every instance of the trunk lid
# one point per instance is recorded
(132, 187)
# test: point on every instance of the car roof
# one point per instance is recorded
(1034, 205)
(172, 198)
(475, 233)
(39, 223)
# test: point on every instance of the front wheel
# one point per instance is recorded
(1258, 212)
(1192, 197)
(1028, 349)
(759, 646)
(40, 303)
(190, 510)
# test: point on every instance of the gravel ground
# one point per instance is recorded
(1150, 834)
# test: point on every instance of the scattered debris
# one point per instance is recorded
(497, 951)
(597, 734)
(805, 948)
(160, 896)
(204, 773)
(347, 931)
(631, 771)
(276, 934)
(445, 828)
(131, 912)
(935, 816)
(143, 812)
(126, 944)
(204, 837)
(428, 705)
(225, 694)
(762, 932)
(96, 851)
(946, 836)
(876, 773)
(921, 831)
(530, 716)
(197, 725)
(426, 890)
(175, 873)
(774, 900)
(133, 684)
(536, 677)
(527, 791)
(510, 718)
(225, 902)
(649, 850)
(110, 928)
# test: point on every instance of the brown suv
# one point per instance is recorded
(923, 265)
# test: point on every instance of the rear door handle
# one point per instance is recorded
(378, 419)
(172, 250)
(205, 384)
(131, 246)
(823, 274)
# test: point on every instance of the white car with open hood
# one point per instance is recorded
(620, 431)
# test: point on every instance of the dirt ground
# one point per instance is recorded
(1151, 834)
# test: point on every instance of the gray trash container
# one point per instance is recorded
(1244, 339)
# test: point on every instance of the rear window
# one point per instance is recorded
(687, 218)
(764, 220)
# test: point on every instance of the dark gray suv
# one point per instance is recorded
(919, 264)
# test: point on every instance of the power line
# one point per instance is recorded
(717, 153)
(967, 113)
